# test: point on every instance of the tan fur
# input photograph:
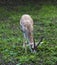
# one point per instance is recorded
(27, 22)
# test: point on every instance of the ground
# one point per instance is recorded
(45, 24)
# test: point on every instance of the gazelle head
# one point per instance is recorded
(34, 49)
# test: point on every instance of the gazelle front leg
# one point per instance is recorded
(25, 42)
(25, 47)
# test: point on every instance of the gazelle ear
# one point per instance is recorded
(34, 44)
(34, 41)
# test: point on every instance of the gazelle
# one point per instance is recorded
(26, 25)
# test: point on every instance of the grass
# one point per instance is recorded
(45, 23)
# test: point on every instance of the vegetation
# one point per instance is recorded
(45, 24)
